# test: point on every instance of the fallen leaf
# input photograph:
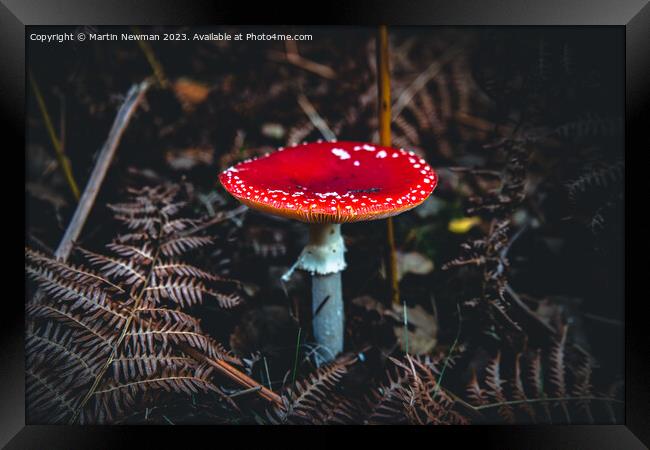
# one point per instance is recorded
(463, 225)
(273, 130)
(190, 93)
(413, 262)
(422, 331)
(187, 158)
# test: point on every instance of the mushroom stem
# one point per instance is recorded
(327, 307)
(324, 258)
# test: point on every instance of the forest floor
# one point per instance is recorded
(510, 273)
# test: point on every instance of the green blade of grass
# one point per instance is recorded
(295, 360)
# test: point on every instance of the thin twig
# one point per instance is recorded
(64, 162)
(429, 73)
(529, 312)
(475, 171)
(232, 373)
(315, 118)
(268, 375)
(295, 361)
(245, 391)
(406, 329)
(293, 56)
(217, 218)
(384, 111)
(133, 99)
(547, 399)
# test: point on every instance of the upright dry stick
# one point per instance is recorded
(133, 99)
(383, 85)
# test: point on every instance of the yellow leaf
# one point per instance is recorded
(463, 225)
(190, 93)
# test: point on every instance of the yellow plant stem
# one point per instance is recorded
(383, 84)
(64, 162)
(157, 68)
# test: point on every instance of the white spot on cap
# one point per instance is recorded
(381, 154)
(327, 194)
(342, 154)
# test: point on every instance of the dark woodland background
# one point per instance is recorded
(511, 273)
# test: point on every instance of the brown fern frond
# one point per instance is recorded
(59, 367)
(475, 393)
(91, 300)
(131, 365)
(141, 254)
(302, 402)
(386, 401)
(47, 400)
(226, 301)
(91, 332)
(424, 401)
(166, 316)
(133, 209)
(518, 393)
(179, 245)
(408, 130)
(145, 223)
(96, 351)
(582, 386)
(149, 335)
(494, 382)
(536, 380)
(171, 209)
(68, 271)
(133, 237)
(127, 270)
(338, 410)
(58, 347)
(557, 369)
(118, 397)
(176, 225)
(172, 268)
(184, 291)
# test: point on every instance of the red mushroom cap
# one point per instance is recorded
(332, 182)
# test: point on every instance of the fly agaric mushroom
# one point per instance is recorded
(326, 184)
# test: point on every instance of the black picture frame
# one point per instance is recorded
(632, 15)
